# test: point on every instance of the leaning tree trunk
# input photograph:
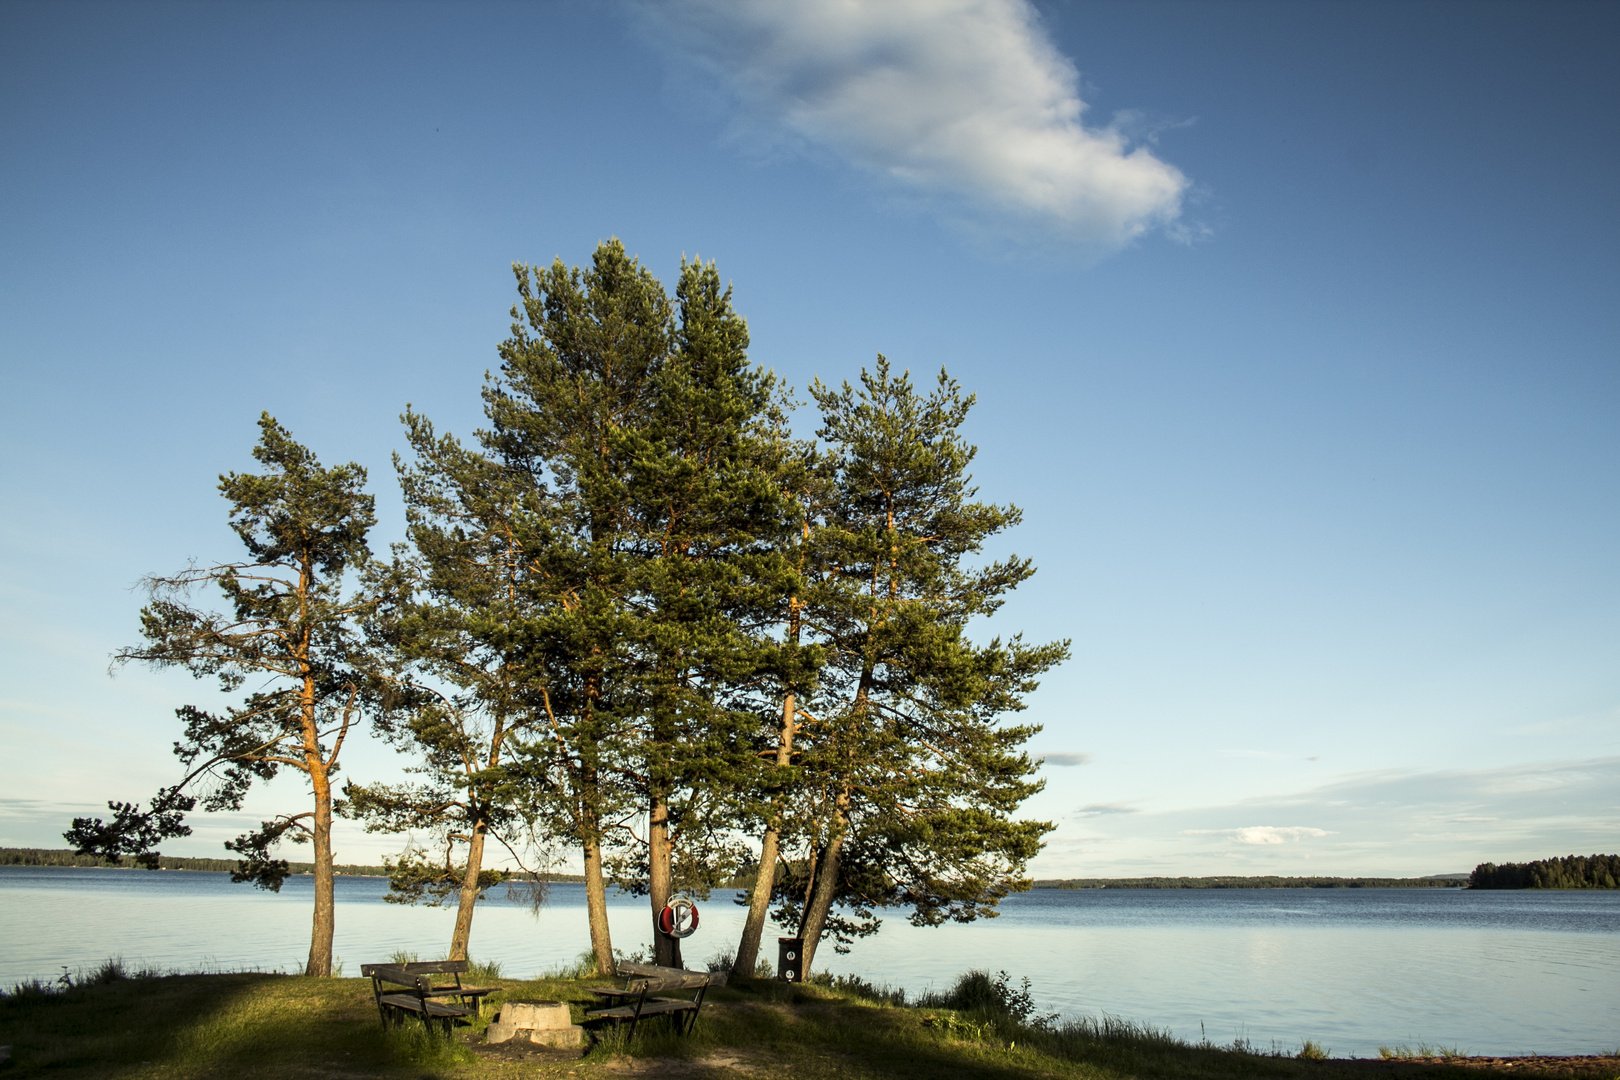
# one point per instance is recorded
(320, 938)
(826, 887)
(759, 902)
(596, 912)
(469, 893)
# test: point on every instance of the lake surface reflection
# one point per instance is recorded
(1485, 972)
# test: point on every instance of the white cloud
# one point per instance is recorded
(965, 99)
(1381, 823)
(1098, 809)
(1261, 834)
(1067, 758)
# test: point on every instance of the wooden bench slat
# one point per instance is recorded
(436, 967)
(402, 1001)
(664, 985)
(468, 991)
(643, 995)
(421, 1001)
(658, 1007)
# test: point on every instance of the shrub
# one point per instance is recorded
(976, 991)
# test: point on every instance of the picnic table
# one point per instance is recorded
(645, 994)
(401, 989)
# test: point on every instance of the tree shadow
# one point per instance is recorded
(242, 1025)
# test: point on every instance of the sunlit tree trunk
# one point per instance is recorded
(759, 902)
(469, 893)
(596, 907)
(660, 886)
(320, 941)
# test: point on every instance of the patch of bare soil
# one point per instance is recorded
(735, 1062)
(1579, 1065)
(519, 1051)
(1585, 1067)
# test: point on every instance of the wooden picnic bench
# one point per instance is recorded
(644, 995)
(418, 996)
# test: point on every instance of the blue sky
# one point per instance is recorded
(1292, 326)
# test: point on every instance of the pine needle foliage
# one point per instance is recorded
(292, 632)
(910, 782)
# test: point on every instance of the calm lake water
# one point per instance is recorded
(1353, 969)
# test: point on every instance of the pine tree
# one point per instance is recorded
(658, 442)
(573, 394)
(806, 488)
(292, 631)
(710, 574)
(463, 610)
(910, 782)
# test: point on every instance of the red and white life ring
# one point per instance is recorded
(679, 918)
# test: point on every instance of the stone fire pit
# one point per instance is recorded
(544, 1023)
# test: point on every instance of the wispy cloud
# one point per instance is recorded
(1382, 822)
(1261, 834)
(1066, 758)
(962, 99)
(1098, 809)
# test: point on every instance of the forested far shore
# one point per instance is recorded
(1569, 872)
(1436, 881)
(68, 857)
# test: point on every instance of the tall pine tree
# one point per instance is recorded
(659, 442)
(292, 634)
(910, 782)
(573, 394)
(710, 572)
(462, 621)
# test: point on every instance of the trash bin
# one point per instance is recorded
(790, 959)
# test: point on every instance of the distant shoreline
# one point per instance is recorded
(65, 857)
(69, 858)
(1433, 881)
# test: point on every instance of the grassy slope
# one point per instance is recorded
(245, 1026)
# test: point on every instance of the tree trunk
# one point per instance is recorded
(596, 908)
(759, 902)
(826, 876)
(821, 900)
(320, 938)
(469, 894)
(660, 886)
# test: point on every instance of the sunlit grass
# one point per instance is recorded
(111, 1022)
(1421, 1050)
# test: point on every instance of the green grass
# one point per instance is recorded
(115, 1024)
(1422, 1050)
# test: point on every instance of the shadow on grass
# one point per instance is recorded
(240, 1025)
(812, 1032)
(245, 1026)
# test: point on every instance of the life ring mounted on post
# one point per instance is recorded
(679, 918)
